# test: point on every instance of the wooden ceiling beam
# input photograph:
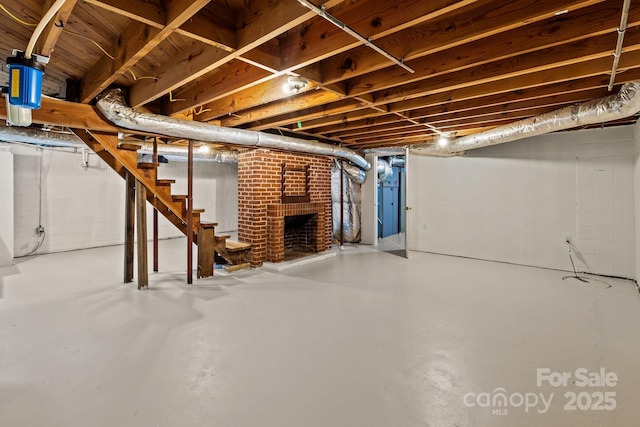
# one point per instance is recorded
(293, 104)
(571, 74)
(396, 17)
(47, 41)
(148, 12)
(395, 128)
(526, 105)
(372, 19)
(229, 78)
(507, 99)
(524, 87)
(311, 113)
(585, 23)
(591, 50)
(136, 42)
(340, 119)
(583, 52)
(260, 94)
(209, 29)
(71, 114)
(264, 20)
(214, 29)
(360, 126)
(498, 104)
(486, 18)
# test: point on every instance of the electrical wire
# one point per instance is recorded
(27, 24)
(41, 178)
(92, 41)
(172, 99)
(15, 18)
(141, 77)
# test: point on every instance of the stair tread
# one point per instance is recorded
(233, 246)
(223, 236)
(147, 165)
(165, 181)
(178, 197)
(208, 224)
(128, 146)
(197, 211)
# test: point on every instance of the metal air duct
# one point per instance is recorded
(55, 139)
(351, 202)
(113, 107)
(613, 107)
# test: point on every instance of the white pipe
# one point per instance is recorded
(113, 107)
(621, 30)
(366, 41)
(613, 107)
(48, 16)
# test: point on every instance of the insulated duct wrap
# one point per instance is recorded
(389, 151)
(351, 202)
(180, 153)
(384, 169)
(113, 107)
(56, 139)
(613, 107)
(40, 137)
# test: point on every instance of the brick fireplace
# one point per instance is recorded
(281, 224)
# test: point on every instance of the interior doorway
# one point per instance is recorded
(392, 202)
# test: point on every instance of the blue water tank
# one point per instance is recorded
(25, 81)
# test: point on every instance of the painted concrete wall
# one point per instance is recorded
(636, 171)
(517, 202)
(84, 207)
(6, 207)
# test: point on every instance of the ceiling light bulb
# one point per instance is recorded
(296, 84)
(443, 141)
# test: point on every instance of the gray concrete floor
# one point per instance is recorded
(366, 338)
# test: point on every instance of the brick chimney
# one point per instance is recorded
(276, 225)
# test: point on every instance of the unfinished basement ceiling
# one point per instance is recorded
(477, 63)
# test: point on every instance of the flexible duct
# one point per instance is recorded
(54, 139)
(388, 151)
(351, 203)
(613, 107)
(113, 107)
(384, 169)
(396, 161)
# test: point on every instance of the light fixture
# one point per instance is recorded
(295, 84)
(443, 141)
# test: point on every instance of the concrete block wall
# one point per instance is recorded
(84, 207)
(517, 202)
(605, 201)
(636, 181)
(6, 207)
(81, 207)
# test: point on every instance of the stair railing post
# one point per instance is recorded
(129, 226)
(141, 208)
(155, 211)
(190, 214)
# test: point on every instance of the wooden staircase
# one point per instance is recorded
(123, 158)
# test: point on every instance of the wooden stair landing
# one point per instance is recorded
(235, 253)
